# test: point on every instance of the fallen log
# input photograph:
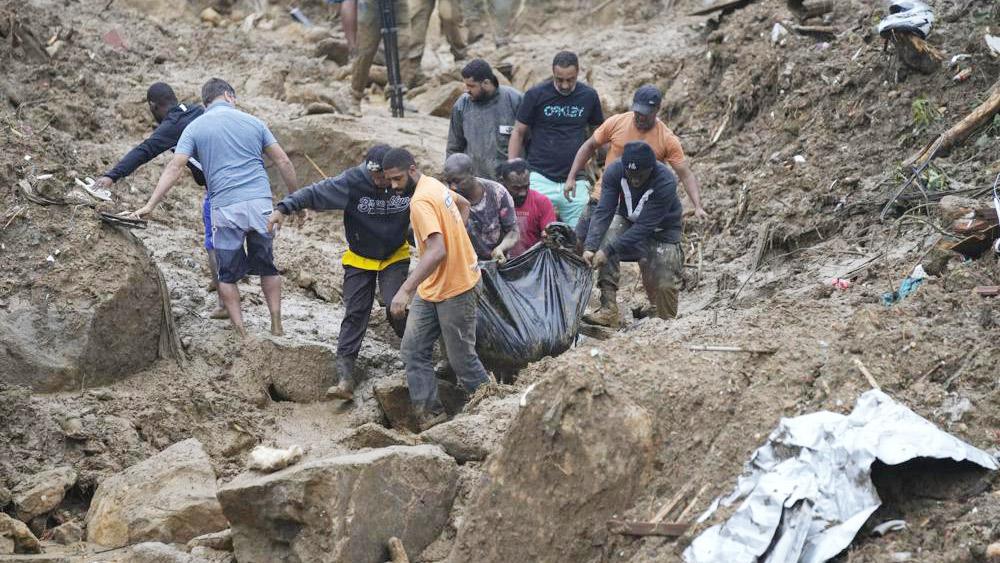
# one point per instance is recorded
(960, 131)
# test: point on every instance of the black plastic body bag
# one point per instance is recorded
(530, 307)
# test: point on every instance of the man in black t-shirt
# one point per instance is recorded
(558, 114)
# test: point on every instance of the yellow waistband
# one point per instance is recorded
(358, 261)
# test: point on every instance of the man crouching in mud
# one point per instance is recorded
(376, 220)
(230, 145)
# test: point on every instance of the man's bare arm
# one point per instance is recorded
(583, 156)
(516, 143)
(285, 168)
(167, 180)
(434, 252)
(691, 186)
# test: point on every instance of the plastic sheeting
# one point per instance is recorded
(530, 307)
(808, 490)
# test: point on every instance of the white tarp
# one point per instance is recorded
(807, 491)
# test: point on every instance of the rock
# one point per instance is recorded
(5, 497)
(576, 454)
(993, 552)
(42, 492)
(953, 207)
(342, 508)
(107, 327)
(465, 438)
(213, 555)
(210, 16)
(394, 400)
(221, 541)
(68, 533)
(372, 435)
(15, 537)
(378, 75)
(336, 51)
(310, 93)
(298, 372)
(439, 100)
(156, 552)
(169, 497)
(318, 108)
(778, 32)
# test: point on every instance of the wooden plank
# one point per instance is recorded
(670, 505)
(630, 528)
(712, 348)
(987, 290)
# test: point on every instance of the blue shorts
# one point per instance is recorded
(242, 243)
(206, 216)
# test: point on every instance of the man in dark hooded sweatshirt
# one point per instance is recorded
(638, 213)
(376, 222)
(172, 117)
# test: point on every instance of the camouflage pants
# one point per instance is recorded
(660, 267)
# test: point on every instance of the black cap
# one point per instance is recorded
(638, 156)
(646, 99)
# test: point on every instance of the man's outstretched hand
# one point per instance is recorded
(104, 182)
(274, 222)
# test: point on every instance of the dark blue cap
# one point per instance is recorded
(638, 156)
(647, 99)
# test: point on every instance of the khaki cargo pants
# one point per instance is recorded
(450, 13)
(370, 36)
(660, 267)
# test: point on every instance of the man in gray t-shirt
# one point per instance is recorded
(492, 224)
(483, 119)
(230, 145)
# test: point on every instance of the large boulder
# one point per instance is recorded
(82, 306)
(169, 498)
(342, 509)
(576, 454)
(439, 100)
(42, 492)
(287, 370)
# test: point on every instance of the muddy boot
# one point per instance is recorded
(343, 390)
(607, 315)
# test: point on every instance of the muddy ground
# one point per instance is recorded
(780, 228)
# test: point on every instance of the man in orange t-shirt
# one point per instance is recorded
(444, 282)
(640, 124)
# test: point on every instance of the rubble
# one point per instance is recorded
(364, 499)
(438, 100)
(15, 537)
(372, 435)
(68, 533)
(170, 497)
(219, 541)
(42, 493)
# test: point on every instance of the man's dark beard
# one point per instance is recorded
(410, 184)
(519, 201)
